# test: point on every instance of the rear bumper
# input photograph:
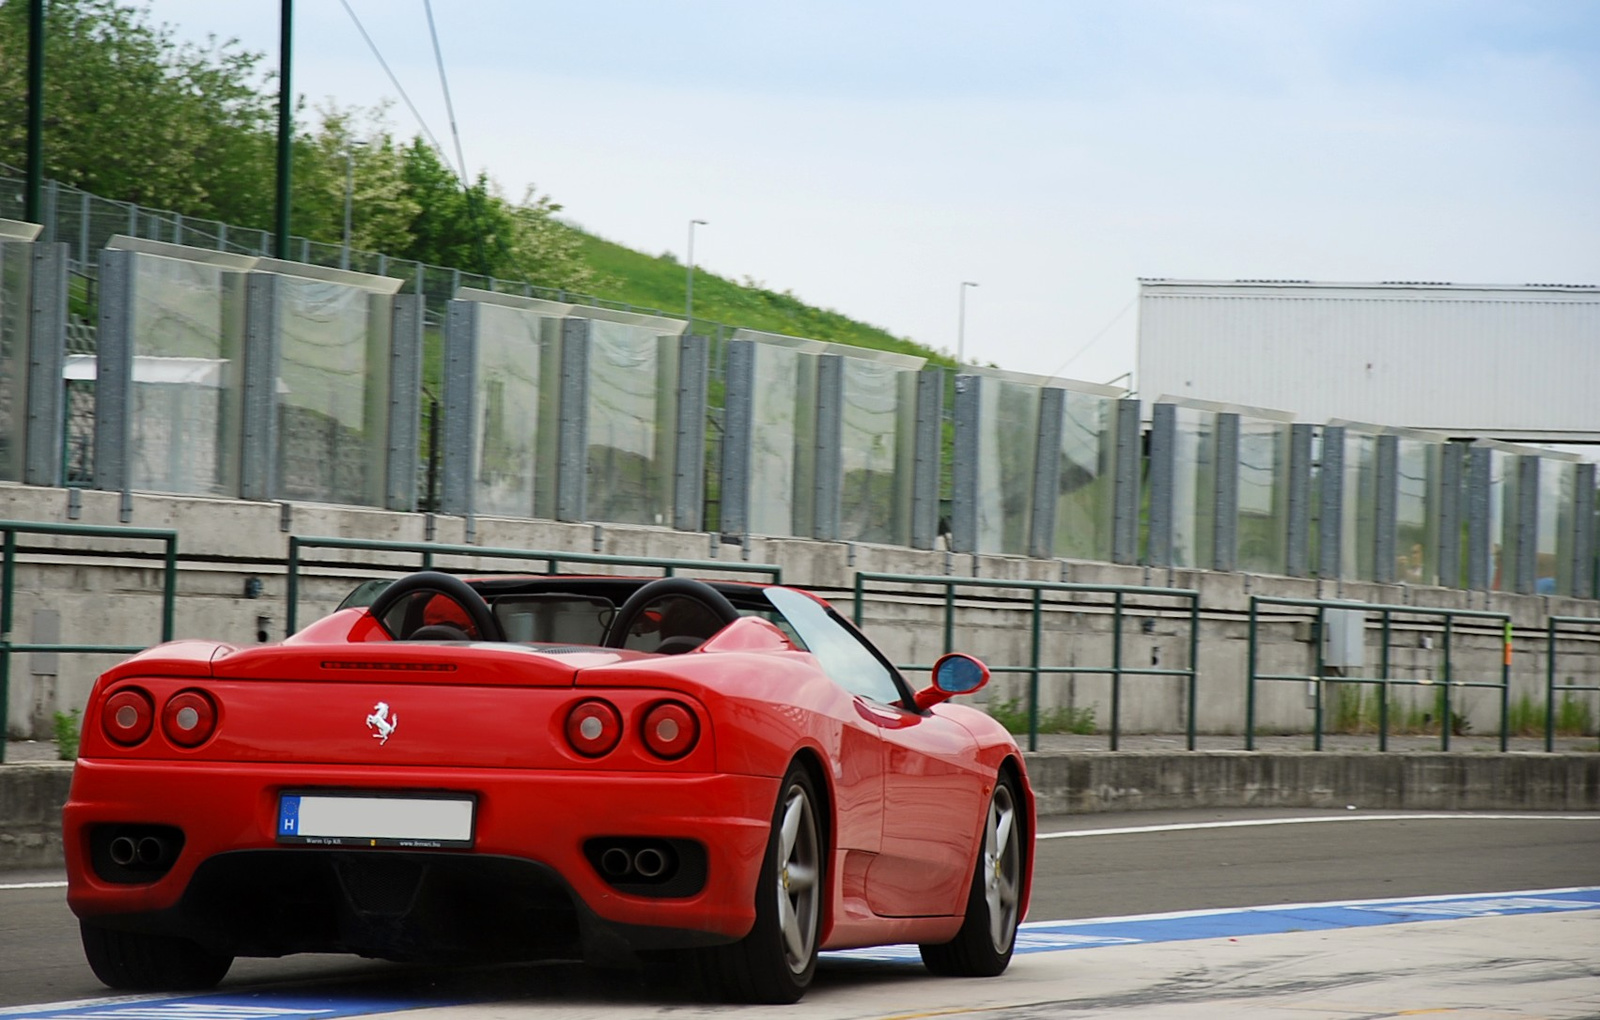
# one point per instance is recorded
(233, 885)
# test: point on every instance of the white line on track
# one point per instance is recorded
(1315, 819)
(32, 885)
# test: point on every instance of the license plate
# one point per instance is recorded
(421, 821)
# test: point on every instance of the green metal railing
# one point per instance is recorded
(552, 560)
(1036, 667)
(1383, 681)
(8, 578)
(1552, 629)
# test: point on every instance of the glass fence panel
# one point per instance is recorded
(783, 432)
(1359, 516)
(186, 397)
(1194, 488)
(333, 391)
(16, 272)
(1263, 496)
(1558, 486)
(509, 478)
(1503, 517)
(1418, 464)
(1008, 435)
(633, 386)
(878, 430)
(1086, 490)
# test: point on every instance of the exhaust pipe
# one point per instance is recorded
(123, 851)
(650, 862)
(152, 851)
(615, 862)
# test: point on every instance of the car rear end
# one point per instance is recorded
(408, 801)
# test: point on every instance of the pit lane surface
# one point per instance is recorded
(1527, 949)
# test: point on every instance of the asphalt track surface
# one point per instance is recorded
(1258, 914)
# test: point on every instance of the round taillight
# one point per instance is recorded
(189, 718)
(593, 728)
(670, 730)
(128, 716)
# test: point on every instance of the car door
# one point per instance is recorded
(932, 792)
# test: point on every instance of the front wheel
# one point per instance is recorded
(150, 963)
(776, 961)
(983, 946)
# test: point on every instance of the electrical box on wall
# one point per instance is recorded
(1344, 638)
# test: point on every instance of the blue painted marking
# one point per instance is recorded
(289, 816)
(262, 1006)
(1053, 936)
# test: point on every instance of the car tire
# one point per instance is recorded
(988, 935)
(139, 962)
(775, 962)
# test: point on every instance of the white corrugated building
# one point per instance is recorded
(1509, 362)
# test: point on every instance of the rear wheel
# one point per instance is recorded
(140, 962)
(776, 961)
(983, 946)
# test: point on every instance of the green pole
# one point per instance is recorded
(949, 616)
(291, 594)
(1550, 687)
(169, 593)
(7, 581)
(1250, 682)
(1505, 691)
(285, 127)
(1383, 690)
(855, 611)
(1116, 669)
(1444, 702)
(34, 212)
(1033, 675)
(1322, 671)
(1194, 664)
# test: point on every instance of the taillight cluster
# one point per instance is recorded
(187, 719)
(668, 729)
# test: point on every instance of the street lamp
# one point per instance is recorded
(349, 191)
(961, 322)
(688, 287)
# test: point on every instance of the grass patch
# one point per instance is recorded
(1013, 715)
(67, 735)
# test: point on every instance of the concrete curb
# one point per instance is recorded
(1088, 782)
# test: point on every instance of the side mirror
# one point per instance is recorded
(955, 673)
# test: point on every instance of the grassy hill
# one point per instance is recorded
(657, 281)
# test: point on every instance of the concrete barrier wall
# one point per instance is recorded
(227, 544)
(31, 795)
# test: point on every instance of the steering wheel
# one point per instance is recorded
(448, 585)
(683, 587)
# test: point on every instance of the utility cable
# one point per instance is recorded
(444, 84)
(1094, 339)
(395, 81)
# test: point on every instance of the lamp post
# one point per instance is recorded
(961, 323)
(688, 286)
(349, 191)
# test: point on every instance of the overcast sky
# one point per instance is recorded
(871, 156)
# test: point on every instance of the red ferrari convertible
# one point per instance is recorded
(543, 767)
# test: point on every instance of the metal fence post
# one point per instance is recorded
(46, 346)
(1225, 504)
(114, 371)
(1526, 553)
(925, 472)
(829, 460)
(1480, 465)
(1125, 504)
(1583, 532)
(405, 398)
(1298, 554)
(1163, 461)
(1330, 493)
(1046, 474)
(964, 469)
(460, 412)
(689, 463)
(572, 472)
(1388, 478)
(738, 412)
(258, 475)
(8, 579)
